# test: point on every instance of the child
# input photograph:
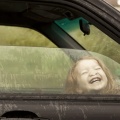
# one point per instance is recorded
(90, 76)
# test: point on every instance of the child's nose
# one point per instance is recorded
(92, 72)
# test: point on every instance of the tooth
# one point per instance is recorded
(94, 80)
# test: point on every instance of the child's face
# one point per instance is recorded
(91, 77)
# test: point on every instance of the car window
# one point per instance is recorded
(32, 69)
(31, 63)
(94, 39)
(19, 36)
(42, 70)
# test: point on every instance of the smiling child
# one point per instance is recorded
(89, 75)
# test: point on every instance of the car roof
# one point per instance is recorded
(48, 10)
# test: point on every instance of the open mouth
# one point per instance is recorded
(95, 80)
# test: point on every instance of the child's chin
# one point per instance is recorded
(96, 90)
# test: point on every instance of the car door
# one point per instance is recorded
(47, 18)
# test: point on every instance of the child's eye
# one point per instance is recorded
(84, 72)
(97, 68)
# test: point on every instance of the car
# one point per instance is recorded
(40, 42)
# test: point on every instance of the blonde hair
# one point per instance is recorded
(71, 83)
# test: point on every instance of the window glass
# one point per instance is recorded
(19, 36)
(96, 41)
(46, 70)
(33, 69)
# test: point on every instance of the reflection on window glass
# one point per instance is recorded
(90, 75)
(46, 70)
(96, 41)
(18, 36)
(41, 70)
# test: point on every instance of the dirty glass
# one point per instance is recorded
(36, 69)
(95, 41)
(42, 70)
